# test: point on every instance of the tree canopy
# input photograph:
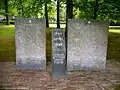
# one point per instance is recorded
(81, 9)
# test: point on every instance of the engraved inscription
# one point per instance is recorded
(58, 47)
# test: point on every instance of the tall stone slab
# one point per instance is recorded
(30, 38)
(87, 44)
(58, 53)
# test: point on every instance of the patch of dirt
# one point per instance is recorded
(42, 80)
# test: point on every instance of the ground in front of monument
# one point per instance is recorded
(76, 80)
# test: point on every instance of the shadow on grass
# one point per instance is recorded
(116, 87)
(48, 44)
(2, 88)
(7, 87)
(114, 46)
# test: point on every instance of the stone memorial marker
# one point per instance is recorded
(87, 44)
(58, 53)
(30, 43)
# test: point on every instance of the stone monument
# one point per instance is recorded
(30, 38)
(58, 53)
(87, 44)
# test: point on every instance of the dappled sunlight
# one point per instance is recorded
(114, 31)
(55, 25)
(5, 26)
(114, 27)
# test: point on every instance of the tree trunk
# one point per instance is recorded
(58, 13)
(46, 14)
(6, 12)
(69, 9)
(95, 9)
(69, 14)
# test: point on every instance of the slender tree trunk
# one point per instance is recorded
(46, 14)
(95, 9)
(58, 13)
(69, 9)
(69, 14)
(6, 12)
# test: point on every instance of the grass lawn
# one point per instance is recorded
(7, 44)
(114, 44)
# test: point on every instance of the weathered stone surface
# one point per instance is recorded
(58, 53)
(30, 43)
(87, 44)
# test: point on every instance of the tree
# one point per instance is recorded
(62, 11)
(46, 14)
(2, 7)
(6, 12)
(21, 12)
(83, 9)
(69, 9)
(95, 9)
(58, 12)
(52, 11)
(109, 10)
(69, 13)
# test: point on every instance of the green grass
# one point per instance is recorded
(114, 44)
(7, 44)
